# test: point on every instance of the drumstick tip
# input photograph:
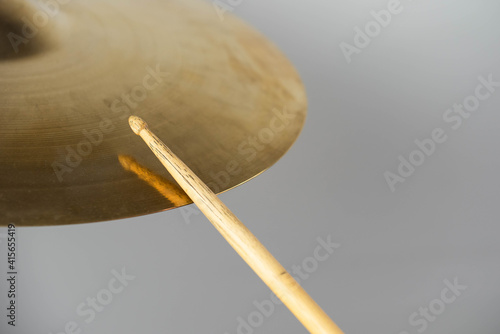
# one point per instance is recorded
(137, 124)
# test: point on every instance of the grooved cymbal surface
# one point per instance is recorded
(221, 96)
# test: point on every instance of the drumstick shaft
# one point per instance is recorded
(239, 237)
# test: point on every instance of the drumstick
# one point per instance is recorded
(239, 237)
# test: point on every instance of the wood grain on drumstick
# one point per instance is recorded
(239, 237)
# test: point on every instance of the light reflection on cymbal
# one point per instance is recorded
(170, 190)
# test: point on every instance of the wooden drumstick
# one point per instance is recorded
(239, 237)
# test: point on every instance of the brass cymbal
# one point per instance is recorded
(223, 97)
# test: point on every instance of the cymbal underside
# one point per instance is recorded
(221, 96)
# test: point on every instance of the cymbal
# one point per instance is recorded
(222, 96)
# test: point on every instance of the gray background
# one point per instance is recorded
(397, 248)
